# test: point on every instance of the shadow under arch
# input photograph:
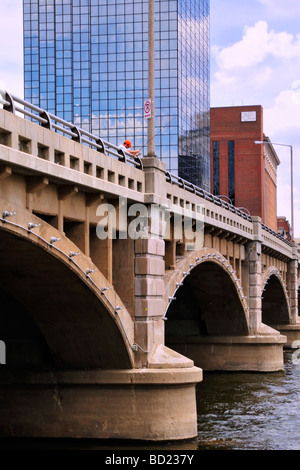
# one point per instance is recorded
(206, 304)
(52, 314)
(275, 307)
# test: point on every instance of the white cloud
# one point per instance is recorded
(296, 91)
(282, 125)
(257, 44)
(250, 71)
(283, 116)
(260, 64)
(245, 53)
(262, 67)
(260, 78)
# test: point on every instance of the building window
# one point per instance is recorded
(216, 167)
(231, 179)
(101, 47)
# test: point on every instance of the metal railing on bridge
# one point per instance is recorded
(241, 211)
(54, 123)
(275, 234)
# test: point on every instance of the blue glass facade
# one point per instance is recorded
(86, 61)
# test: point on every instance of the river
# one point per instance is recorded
(250, 411)
(236, 411)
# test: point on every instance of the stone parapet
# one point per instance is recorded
(41, 150)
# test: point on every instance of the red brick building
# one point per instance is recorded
(283, 227)
(241, 170)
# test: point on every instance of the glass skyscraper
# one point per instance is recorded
(86, 61)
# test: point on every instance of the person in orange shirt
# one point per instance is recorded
(126, 146)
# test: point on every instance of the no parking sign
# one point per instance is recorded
(147, 109)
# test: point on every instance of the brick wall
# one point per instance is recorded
(230, 124)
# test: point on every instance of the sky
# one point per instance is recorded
(255, 60)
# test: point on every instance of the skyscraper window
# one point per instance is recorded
(86, 61)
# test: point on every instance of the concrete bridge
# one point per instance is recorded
(107, 336)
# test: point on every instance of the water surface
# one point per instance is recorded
(251, 411)
(236, 411)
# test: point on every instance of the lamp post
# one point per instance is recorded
(151, 80)
(292, 177)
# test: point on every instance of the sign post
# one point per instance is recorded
(147, 109)
(151, 80)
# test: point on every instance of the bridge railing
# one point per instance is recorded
(275, 234)
(275, 241)
(54, 123)
(50, 121)
(241, 211)
(271, 238)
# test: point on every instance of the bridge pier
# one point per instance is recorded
(292, 333)
(233, 353)
(139, 404)
(292, 329)
(150, 268)
(149, 290)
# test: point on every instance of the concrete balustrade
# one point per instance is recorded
(65, 159)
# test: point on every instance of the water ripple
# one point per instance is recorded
(250, 410)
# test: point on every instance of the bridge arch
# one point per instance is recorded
(84, 325)
(204, 297)
(275, 304)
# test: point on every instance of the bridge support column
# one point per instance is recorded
(150, 268)
(253, 273)
(292, 330)
(149, 285)
(144, 404)
(151, 355)
(149, 290)
(255, 315)
(292, 285)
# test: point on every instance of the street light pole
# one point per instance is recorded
(151, 80)
(292, 178)
(292, 192)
